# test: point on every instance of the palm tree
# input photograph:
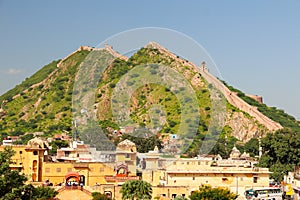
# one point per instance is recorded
(136, 189)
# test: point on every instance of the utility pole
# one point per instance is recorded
(237, 185)
(259, 147)
(74, 134)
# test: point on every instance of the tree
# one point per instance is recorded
(12, 183)
(44, 193)
(24, 139)
(252, 146)
(10, 180)
(136, 189)
(99, 196)
(144, 144)
(206, 192)
(57, 144)
(280, 152)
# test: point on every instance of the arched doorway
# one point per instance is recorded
(108, 194)
(122, 170)
(72, 179)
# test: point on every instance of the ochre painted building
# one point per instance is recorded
(169, 177)
(29, 159)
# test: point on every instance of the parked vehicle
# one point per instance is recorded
(270, 193)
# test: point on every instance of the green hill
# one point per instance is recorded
(45, 107)
(43, 102)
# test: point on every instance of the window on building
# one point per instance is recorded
(163, 195)
(173, 195)
(188, 163)
(69, 169)
(127, 155)
(255, 178)
(21, 152)
(102, 169)
(241, 179)
(47, 170)
(58, 169)
(193, 177)
(35, 153)
(67, 153)
(183, 195)
(174, 163)
(199, 163)
(224, 180)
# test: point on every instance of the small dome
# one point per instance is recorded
(36, 143)
(245, 155)
(126, 145)
(235, 153)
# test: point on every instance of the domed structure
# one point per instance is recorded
(245, 155)
(37, 143)
(126, 145)
(235, 153)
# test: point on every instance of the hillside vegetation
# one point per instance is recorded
(273, 113)
(152, 94)
(45, 108)
(38, 77)
(43, 103)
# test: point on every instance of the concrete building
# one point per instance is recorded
(292, 183)
(29, 159)
(9, 140)
(169, 176)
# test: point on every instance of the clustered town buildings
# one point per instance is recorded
(105, 172)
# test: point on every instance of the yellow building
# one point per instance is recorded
(90, 173)
(126, 154)
(292, 183)
(169, 177)
(29, 159)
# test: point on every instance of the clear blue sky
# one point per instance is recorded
(255, 44)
